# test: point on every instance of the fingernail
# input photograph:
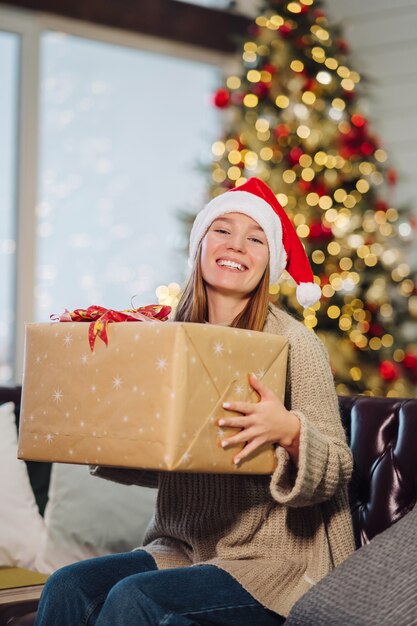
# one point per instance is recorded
(226, 404)
(254, 375)
(223, 444)
(236, 461)
(222, 422)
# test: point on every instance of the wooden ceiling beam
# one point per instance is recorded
(195, 25)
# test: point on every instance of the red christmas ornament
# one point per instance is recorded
(357, 141)
(319, 231)
(310, 84)
(388, 371)
(410, 361)
(294, 155)
(358, 120)
(348, 95)
(285, 30)
(320, 188)
(305, 186)
(281, 131)
(343, 45)
(261, 89)
(410, 365)
(381, 205)
(376, 330)
(268, 67)
(392, 176)
(367, 148)
(221, 98)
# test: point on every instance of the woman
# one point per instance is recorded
(234, 549)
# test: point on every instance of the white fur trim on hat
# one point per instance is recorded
(256, 208)
(308, 294)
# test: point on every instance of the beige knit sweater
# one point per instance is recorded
(277, 535)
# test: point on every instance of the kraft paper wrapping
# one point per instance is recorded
(151, 399)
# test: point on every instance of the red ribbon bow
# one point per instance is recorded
(99, 317)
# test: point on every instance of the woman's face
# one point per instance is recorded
(234, 254)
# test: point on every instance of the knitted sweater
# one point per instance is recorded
(277, 535)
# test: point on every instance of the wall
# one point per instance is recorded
(383, 40)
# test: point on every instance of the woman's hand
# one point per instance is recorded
(266, 421)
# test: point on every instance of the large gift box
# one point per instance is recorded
(150, 399)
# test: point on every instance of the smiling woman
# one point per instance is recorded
(234, 549)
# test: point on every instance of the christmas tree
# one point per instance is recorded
(293, 117)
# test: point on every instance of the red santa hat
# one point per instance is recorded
(255, 199)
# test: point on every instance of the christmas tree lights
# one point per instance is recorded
(293, 117)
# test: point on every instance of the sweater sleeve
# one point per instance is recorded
(126, 476)
(325, 460)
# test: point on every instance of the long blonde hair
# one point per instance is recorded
(193, 306)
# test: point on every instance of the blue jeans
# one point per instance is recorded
(128, 590)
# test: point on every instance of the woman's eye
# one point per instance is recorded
(257, 240)
(220, 230)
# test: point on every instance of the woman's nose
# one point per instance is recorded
(237, 242)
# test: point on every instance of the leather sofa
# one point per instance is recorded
(382, 433)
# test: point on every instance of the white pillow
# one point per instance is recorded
(21, 525)
(87, 516)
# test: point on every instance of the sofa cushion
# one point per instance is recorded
(21, 526)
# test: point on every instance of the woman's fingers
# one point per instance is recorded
(239, 407)
(244, 435)
(248, 449)
(235, 422)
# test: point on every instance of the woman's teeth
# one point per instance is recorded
(232, 264)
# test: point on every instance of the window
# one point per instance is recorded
(121, 134)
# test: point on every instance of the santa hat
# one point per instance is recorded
(255, 199)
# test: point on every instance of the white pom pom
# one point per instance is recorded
(308, 294)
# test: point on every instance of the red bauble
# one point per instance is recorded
(358, 120)
(281, 131)
(285, 30)
(294, 155)
(321, 189)
(376, 330)
(319, 231)
(261, 89)
(392, 176)
(381, 205)
(367, 148)
(343, 45)
(305, 186)
(410, 361)
(348, 95)
(268, 67)
(388, 371)
(309, 84)
(221, 98)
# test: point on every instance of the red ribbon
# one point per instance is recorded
(99, 317)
